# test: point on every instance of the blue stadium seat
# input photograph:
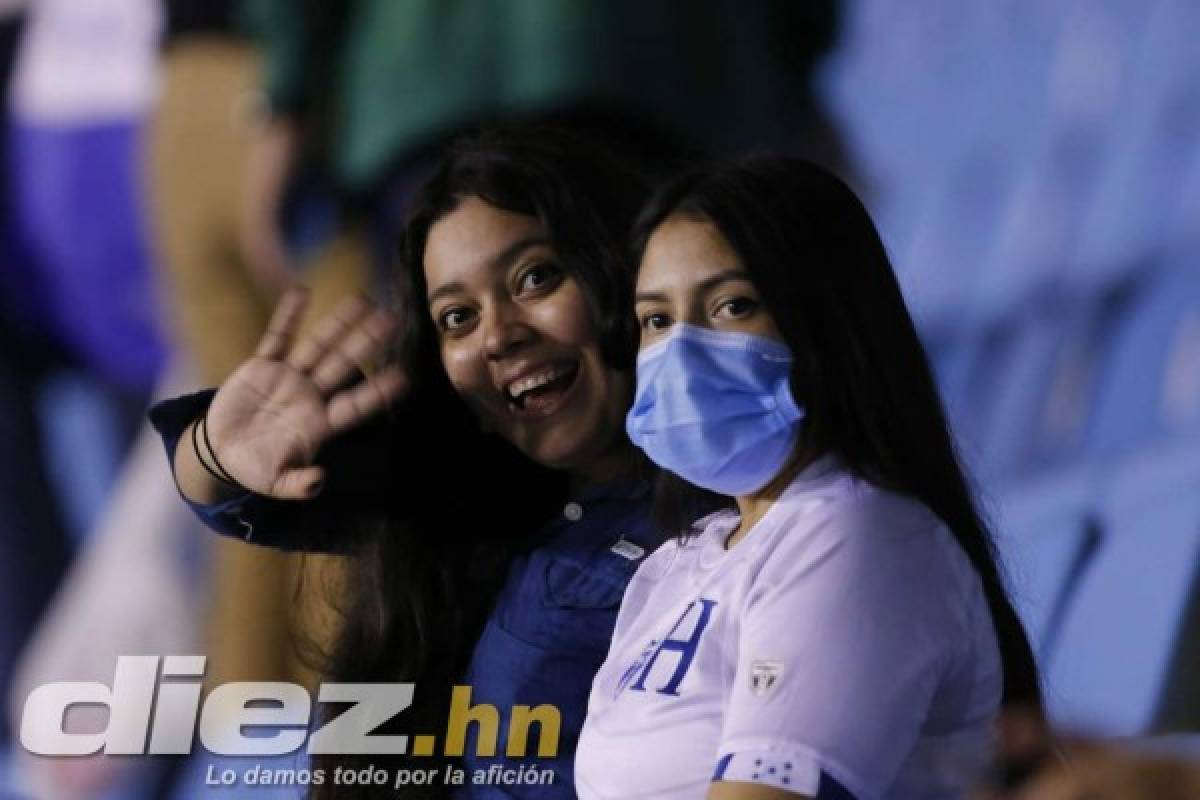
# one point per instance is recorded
(1181, 225)
(1042, 536)
(1088, 82)
(1150, 388)
(1154, 139)
(1031, 389)
(1009, 380)
(939, 264)
(1110, 665)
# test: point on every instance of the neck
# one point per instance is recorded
(753, 507)
(620, 462)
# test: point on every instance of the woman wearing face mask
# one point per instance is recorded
(495, 559)
(840, 629)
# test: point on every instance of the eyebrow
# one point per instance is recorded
(502, 258)
(706, 285)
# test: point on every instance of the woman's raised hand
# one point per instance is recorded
(269, 419)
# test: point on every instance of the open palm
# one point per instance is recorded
(276, 410)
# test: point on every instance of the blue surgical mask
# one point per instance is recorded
(716, 408)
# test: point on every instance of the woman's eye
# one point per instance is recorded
(537, 276)
(736, 307)
(453, 318)
(655, 322)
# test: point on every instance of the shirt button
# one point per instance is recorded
(573, 512)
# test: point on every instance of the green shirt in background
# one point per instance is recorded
(391, 77)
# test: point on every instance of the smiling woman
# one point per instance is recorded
(496, 512)
(519, 343)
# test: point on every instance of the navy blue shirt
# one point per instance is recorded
(549, 628)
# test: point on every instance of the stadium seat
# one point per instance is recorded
(1032, 386)
(1181, 226)
(1009, 379)
(1156, 135)
(1110, 665)
(1043, 537)
(1150, 387)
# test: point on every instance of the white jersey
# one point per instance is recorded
(842, 648)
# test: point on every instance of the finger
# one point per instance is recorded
(345, 359)
(348, 313)
(354, 406)
(285, 321)
(299, 484)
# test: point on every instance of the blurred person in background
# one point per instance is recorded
(34, 540)
(1107, 772)
(210, 115)
(1033, 763)
(82, 322)
(79, 334)
(146, 583)
(82, 86)
(363, 92)
(203, 131)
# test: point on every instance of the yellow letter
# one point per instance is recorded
(462, 713)
(549, 722)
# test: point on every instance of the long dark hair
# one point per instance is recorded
(433, 540)
(860, 371)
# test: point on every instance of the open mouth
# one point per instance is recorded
(541, 393)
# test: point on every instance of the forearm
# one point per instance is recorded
(737, 790)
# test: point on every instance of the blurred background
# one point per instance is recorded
(1034, 169)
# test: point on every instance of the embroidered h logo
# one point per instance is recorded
(685, 647)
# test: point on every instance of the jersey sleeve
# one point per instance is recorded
(844, 635)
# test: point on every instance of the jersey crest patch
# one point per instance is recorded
(764, 675)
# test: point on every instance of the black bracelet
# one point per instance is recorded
(212, 453)
(200, 455)
(220, 473)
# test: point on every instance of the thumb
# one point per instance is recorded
(299, 484)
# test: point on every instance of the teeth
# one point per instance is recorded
(539, 378)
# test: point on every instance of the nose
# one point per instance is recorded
(504, 330)
(695, 314)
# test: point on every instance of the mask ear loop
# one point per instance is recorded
(785, 400)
